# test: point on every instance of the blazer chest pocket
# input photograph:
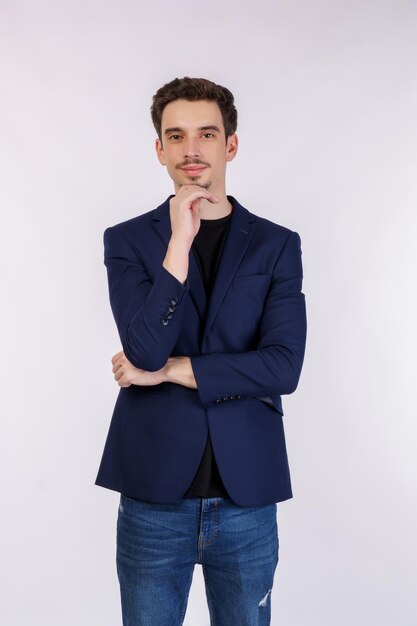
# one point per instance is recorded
(251, 280)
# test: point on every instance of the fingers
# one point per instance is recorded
(117, 356)
(118, 373)
(121, 377)
(123, 382)
(194, 192)
(119, 360)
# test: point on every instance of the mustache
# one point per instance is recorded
(193, 162)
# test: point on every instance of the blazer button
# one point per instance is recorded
(173, 302)
(164, 321)
(218, 400)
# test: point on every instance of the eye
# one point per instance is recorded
(211, 134)
(174, 137)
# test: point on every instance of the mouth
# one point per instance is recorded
(193, 170)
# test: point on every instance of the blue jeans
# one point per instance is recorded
(159, 544)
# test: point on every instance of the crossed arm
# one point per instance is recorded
(177, 369)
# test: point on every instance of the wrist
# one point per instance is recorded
(178, 370)
(168, 371)
(176, 259)
(179, 244)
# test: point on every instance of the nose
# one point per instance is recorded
(191, 148)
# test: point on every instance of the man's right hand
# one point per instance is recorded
(185, 223)
(184, 212)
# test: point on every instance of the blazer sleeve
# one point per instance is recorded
(275, 366)
(148, 314)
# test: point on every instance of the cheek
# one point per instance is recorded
(216, 158)
(171, 165)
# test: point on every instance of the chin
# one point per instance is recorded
(204, 185)
(192, 181)
(195, 180)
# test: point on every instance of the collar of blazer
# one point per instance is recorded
(242, 228)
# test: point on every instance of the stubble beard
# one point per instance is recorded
(194, 180)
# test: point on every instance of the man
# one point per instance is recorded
(208, 304)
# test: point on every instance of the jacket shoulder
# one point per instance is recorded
(137, 232)
(133, 224)
(264, 226)
(269, 230)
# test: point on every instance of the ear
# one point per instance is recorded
(231, 147)
(160, 151)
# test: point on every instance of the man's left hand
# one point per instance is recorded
(176, 370)
(127, 374)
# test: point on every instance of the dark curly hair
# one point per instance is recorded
(195, 89)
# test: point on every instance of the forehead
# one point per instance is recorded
(191, 114)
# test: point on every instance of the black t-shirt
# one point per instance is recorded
(207, 248)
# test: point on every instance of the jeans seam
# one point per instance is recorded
(216, 527)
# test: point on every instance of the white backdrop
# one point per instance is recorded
(326, 93)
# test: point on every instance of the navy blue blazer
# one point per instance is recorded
(246, 347)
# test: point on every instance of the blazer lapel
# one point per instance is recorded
(162, 224)
(240, 234)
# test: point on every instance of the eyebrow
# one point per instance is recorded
(181, 130)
